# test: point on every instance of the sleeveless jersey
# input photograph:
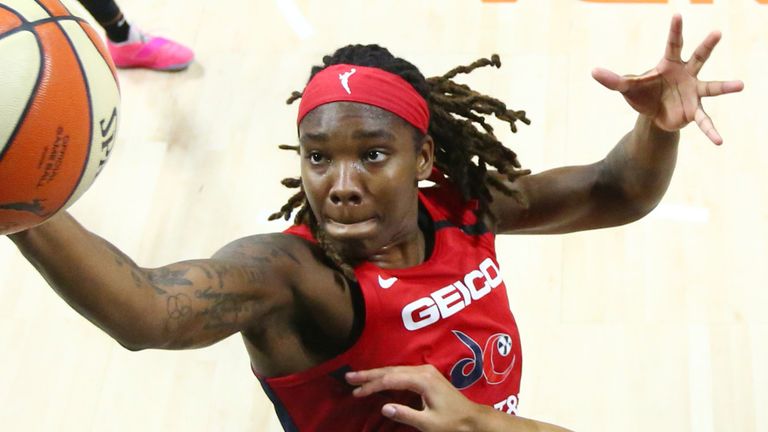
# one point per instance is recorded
(451, 311)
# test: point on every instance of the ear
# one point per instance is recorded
(425, 158)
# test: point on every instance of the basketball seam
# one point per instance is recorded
(30, 25)
(13, 11)
(30, 100)
(21, 18)
(39, 3)
(66, 8)
(25, 26)
(90, 111)
(81, 21)
(57, 19)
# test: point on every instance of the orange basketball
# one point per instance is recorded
(59, 105)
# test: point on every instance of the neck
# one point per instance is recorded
(408, 252)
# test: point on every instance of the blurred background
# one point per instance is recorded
(658, 325)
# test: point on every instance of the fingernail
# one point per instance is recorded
(388, 411)
(351, 375)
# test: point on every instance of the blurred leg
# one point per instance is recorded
(108, 14)
(131, 48)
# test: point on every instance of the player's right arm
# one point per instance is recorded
(184, 305)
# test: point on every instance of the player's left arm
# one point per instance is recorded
(631, 180)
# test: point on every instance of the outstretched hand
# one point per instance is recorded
(670, 94)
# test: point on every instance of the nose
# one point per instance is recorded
(345, 189)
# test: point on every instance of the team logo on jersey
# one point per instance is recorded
(498, 358)
(494, 361)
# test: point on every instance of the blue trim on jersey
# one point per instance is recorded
(340, 375)
(282, 414)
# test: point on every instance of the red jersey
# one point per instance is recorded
(451, 311)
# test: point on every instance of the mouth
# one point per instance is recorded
(349, 228)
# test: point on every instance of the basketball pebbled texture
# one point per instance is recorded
(59, 110)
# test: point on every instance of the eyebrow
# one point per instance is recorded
(373, 133)
(310, 136)
(358, 134)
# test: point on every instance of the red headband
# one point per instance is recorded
(368, 85)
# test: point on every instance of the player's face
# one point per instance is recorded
(360, 166)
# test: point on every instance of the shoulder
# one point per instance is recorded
(272, 248)
(292, 259)
(507, 207)
(297, 268)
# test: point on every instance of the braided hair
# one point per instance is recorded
(465, 144)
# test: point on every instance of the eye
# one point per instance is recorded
(375, 156)
(315, 158)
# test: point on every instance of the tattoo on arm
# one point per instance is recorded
(199, 295)
(179, 311)
(215, 309)
(223, 309)
(277, 251)
(120, 258)
(138, 281)
(165, 276)
(263, 252)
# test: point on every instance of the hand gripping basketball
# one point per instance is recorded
(59, 106)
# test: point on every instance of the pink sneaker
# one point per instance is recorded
(151, 52)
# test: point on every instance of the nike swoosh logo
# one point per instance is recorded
(387, 283)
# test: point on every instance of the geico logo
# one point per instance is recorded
(453, 298)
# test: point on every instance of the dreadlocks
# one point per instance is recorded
(465, 144)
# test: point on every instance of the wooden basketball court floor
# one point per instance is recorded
(658, 325)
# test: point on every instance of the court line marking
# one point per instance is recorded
(296, 20)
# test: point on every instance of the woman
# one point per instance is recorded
(377, 272)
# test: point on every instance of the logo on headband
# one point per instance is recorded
(345, 79)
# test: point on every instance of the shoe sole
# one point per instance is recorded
(171, 68)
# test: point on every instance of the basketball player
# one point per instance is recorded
(377, 272)
(132, 48)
